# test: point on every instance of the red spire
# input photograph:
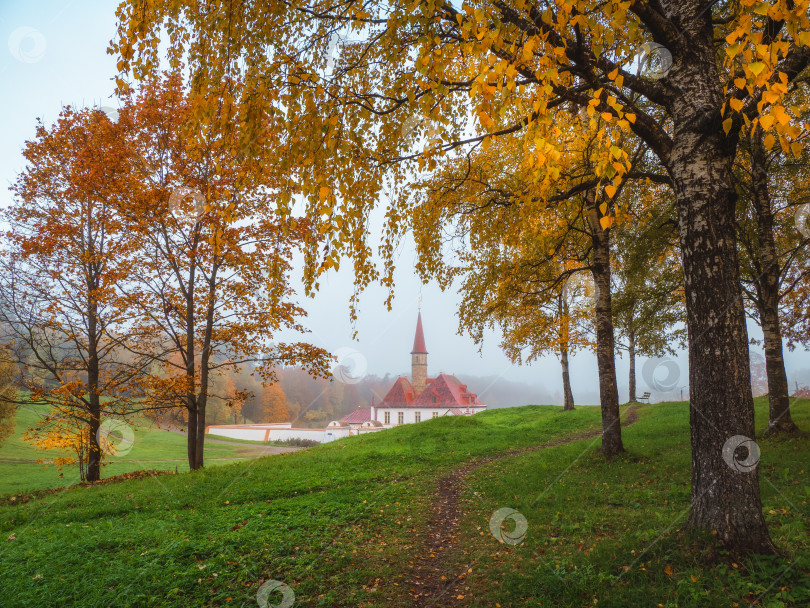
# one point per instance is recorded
(419, 338)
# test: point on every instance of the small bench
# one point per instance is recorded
(645, 397)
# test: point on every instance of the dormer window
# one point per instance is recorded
(434, 399)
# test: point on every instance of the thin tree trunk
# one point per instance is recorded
(605, 346)
(191, 440)
(725, 490)
(631, 355)
(779, 419)
(93, 374)
(565, 321)
(568, 395)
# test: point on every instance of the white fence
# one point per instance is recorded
(282, 432)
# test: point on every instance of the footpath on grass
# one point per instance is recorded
(432, 578)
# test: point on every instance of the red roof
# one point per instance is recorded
(419, 338)
(447, 391)
(358, 416)
(400, 395)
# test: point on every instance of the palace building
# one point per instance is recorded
(419, 398)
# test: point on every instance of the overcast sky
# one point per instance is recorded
(55, 53)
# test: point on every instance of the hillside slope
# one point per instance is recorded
(345, 524)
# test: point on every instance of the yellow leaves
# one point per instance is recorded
(610, 191)
(757, 67)
(668, 570)
(796, 148)
(727, 125)
(606, 222)
(631, 118)
(740, 83)
(766, 122)
(769, 141)
(607, 116)
(736, 104)
(780, 114)
(324, 193)
(485, 119)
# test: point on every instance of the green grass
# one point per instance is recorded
(343, 522)
(152, 449)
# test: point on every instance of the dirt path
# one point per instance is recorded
(432, 578)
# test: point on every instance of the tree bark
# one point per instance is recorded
(631, 355)
(725, 499)
(562, 311)
(605, 345)
(93, 371)
(568, 395)
(779, 418)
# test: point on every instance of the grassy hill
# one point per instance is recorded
(152, 449)
(344, 524)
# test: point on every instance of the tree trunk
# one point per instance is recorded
(93, 372)
(191, 440)
(562, 311)
(779, 419)
(631, 355)
(568, 395)
(725, 490)
(605, 347)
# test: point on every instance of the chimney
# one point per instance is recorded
(373, 415)
(419, 358)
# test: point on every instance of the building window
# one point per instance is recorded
(387, 417)
(435, 414)
(433, 399)
(400, 417)
(417, 416)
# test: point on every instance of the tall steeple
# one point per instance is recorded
(419, 358)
